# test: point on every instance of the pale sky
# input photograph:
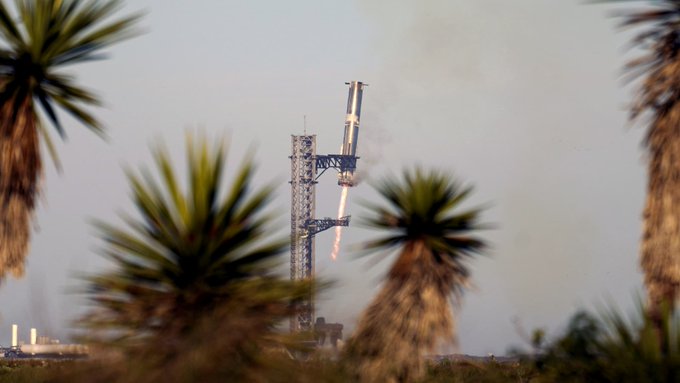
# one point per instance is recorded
(522, 99)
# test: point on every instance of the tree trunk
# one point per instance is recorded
(20, 170)
(406, 319)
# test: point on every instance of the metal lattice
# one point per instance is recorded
(315, 226)
(303, 172)
(303, 226)
(340, 162)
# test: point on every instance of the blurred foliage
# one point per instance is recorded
(412, 313)
(613, 349)
(192, 292)
(479, 372)
(605, 348)
(192, 296)
(277, 369)
(655, 73)
(229, 346)
(30, 371)
(39, 40)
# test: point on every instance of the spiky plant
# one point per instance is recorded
(657, 104)
(45, 37)
(612, 347)
(203, 251)
(413, 310)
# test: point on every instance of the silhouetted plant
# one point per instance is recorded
(412, 311)
(613, 349)
(193, 264)
(47, 36)
(656, 73)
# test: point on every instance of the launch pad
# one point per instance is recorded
(305, 167)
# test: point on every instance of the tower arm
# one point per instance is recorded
(339, 162)
(315, 226)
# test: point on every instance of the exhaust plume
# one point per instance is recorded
(338, 229)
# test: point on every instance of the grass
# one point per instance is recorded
(482, 372)
(32, 370)
(40, 371)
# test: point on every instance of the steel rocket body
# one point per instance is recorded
(351, 137)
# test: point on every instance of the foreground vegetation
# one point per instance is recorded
(463, 372)
(38, 42)
(193, 294)
(422, 219)
(603, 348)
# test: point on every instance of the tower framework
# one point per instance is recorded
(303, 224)
(303, 198)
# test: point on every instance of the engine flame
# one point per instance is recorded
(338, 229)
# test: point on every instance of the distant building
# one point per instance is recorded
(330, 331)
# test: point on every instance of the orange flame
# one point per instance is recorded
(338, 229)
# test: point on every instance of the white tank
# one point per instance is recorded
(15, 331)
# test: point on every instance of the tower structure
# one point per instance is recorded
(303, 199)
(303, 224)
(305, 164)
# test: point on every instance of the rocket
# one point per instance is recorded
(349, 142)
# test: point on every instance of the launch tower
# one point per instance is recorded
(305, 167)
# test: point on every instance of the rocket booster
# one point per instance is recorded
(349, 142)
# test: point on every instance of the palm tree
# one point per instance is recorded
(47, 36)
(412, 311)
(657, 101)
(206, 252)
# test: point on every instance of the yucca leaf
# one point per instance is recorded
(9, 29)
(47, 107)
(185, 247)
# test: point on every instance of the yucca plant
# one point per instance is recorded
(612, 348)
(422, 219)
(656, 72)
(192, 257)
(644, 349)
(43, 37)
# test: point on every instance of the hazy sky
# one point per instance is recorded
(521, 99)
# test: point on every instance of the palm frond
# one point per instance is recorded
(40, 38)
(9, 31)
